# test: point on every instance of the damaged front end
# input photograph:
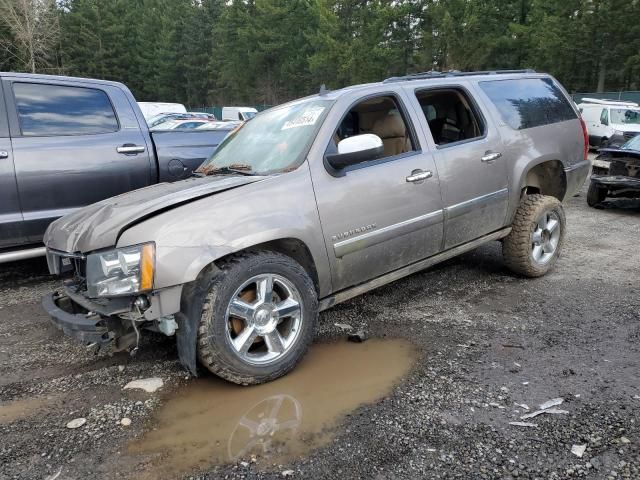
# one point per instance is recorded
(623, 176)
(83, 312)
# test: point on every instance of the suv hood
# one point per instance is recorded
(99, 225)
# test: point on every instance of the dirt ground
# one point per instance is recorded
(486, 342)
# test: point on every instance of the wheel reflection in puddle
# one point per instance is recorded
(265, 427)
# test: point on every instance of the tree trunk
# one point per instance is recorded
(602, 72)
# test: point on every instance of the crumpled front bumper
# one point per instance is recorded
(84, 324)
(617, 181)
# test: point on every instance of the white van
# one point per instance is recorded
(610, 123)
(151, 109)
(238, 113)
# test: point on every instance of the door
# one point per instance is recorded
(383, 214)
(10, 213)
(71, 149)
(469, 158)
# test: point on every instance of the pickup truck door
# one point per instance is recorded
(74, 144)
(10, 213)
(473, 171)
(383, 214)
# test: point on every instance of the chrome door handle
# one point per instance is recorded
(130, 149)
(4, 154)
(419, 176)
(490, 157)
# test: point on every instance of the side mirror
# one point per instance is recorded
(356, 149)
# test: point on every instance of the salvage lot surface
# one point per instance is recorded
(485, 341)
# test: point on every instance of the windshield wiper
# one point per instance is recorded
(234, 168)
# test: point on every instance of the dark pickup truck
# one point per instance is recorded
(69, 142)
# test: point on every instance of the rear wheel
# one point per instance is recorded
(258, 318)
(537, 234)
(596, 194)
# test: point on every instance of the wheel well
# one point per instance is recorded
(292, 247)
(546, 178)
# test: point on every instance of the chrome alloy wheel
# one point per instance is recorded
(263, 318)
(545, 237)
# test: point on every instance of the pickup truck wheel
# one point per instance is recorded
(258, 318)
(537, 235)
(596, 194)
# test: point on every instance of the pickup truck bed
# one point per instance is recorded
(69, 142)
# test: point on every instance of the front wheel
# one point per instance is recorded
(258, 318)
(537, 234)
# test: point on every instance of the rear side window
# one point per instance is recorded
(61, 110)
(528, 102)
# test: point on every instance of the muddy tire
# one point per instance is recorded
(258, 318)
(596, 194)
(534, 244)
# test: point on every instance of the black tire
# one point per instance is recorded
(596, 194)
(518, 245)
(214, 347)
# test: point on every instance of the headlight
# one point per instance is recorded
(620, 133)
(123, 271)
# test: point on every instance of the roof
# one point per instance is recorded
(38, 76)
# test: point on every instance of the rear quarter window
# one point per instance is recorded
(528, 102)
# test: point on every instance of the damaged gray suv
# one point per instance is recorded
(314, 202)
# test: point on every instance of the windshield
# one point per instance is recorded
(625, 115)
(633, 144)
(274, 141)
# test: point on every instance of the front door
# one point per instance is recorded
(470, 161)
(383, 214)
(71, 149)
(10, 213)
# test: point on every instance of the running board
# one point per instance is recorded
(22, 254)
(349, 293)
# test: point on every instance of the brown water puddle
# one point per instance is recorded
(19, 409)
(211, 422)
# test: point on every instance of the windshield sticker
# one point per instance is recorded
(308, 117)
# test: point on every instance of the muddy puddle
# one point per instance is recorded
(211, 422)
(19, 409)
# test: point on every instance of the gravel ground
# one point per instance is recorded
(487, 341)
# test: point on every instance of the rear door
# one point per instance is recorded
(10, 213)
(74, 144)
(469, 158)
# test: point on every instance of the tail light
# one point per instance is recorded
(585, 136)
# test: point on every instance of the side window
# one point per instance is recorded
(604, 117)
(382, 117)
(240, 116)
(528, 102)
(61, 110)
(451, 115)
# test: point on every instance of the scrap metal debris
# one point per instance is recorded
(551, 411)
(76, 422)
(523, 424)
(554, 402)
(149, 385)
(578, 450)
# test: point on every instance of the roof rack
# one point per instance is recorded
(606, 101)
(452, 73)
